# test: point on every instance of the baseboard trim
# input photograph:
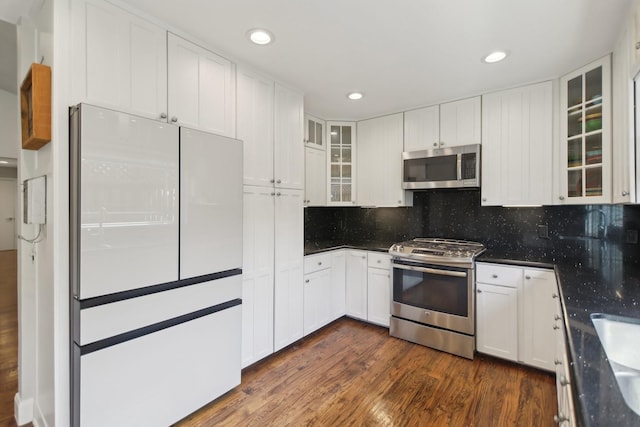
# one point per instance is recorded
(22, 410)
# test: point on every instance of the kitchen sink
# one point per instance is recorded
(619, 337)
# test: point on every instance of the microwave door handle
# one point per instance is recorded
(432, 270)
(459, 161)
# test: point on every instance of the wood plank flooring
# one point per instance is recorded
(8, 336)
(353, 374)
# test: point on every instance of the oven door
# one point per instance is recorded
(434, 295)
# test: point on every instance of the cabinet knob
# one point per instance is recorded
(379, 261)
(319, 262)
(174, 119)
(527, 277)
(557, 362)
(484, 199)
(272, 180)
(278, 194)
(399, 202)
(273, 193)
(556, 327)
(557, 317)
(554, 295)
(278, 181)
(441, 143)
(306, 281)
(561, 197)
(364, 257)
(564, 381)
(163, 115)
(495, 276)
(435, 144)
(637, 45)
(559, 419)
(625, 193)
(479, 291)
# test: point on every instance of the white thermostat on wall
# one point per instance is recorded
(35, 200)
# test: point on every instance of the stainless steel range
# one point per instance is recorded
(433, 293)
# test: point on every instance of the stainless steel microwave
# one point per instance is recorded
(453, 167)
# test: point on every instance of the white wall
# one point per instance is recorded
(43, 394)
(9, 133)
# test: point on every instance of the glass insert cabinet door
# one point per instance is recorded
(341, 137)
(585, 132)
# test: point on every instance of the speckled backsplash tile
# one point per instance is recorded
(573, 231)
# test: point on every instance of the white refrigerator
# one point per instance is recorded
(156, 264)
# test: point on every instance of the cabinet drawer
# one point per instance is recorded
(317, 262)
(499, 275)
(379, 260)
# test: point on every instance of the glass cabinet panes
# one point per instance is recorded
(341, 137)
(314, 132)
(584, 141)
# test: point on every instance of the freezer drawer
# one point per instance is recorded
(109, 320)
(160, 378)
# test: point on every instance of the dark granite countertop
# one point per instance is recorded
(598, 282)
(311, 248)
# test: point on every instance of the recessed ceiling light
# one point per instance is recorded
(496, 56)
(355, 95)
(260, 36)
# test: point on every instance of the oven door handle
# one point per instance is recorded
(432, 270)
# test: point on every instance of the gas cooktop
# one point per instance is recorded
(438, 250)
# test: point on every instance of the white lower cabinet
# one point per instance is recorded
(516, 311)
(356, 284)
(317, 291)
(379, 288)
(566, 414)
(338, 283)
(497, 324)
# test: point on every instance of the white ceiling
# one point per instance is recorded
(400, 53)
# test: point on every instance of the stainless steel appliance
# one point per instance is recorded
(156, 268)
(433, 293)
(451, 167)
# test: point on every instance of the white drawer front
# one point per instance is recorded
(499, 275)
(379, 260)
(317, 262)
(107, 320)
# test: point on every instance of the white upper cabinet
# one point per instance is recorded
(445, 125)
(289, 136)
(314, 132)
(379, 161)
(517, 146)
(119, 60)
(315, 182)
(460, 122)
(341, 165)
(422, 128)
(585, 135)
(201, 88)
(623, 144)
(255, 126)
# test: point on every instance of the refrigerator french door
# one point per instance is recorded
(156, 263)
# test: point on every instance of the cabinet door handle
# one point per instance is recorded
(163, 115)
(174, 119)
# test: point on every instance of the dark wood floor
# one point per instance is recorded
(353, 373)
(8, 336)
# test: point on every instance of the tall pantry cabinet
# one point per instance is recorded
(270, 122)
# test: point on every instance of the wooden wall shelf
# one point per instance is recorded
(35, 107)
